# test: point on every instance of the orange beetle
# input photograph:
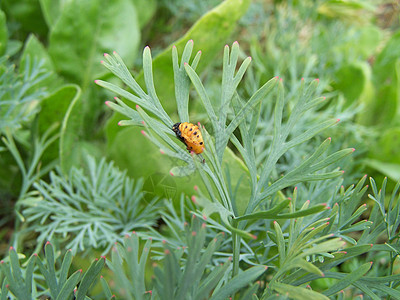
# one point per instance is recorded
(189, 134)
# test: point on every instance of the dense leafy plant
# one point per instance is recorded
(303, 41)
(93, 208)
(264, 201)
(19, 98)
(25, 283)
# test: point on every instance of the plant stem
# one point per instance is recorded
(236, 250)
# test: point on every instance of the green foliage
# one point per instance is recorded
(50, 115)
(384, 217)
(24, 15)
(130, 283)
(181, 273)
(385, 81)
(29, 170)
(20, 101)
(355, 63)
(26, 283)
(73, 60)
(208, 32)
(29, 126)
(33, 48)
(214, 150)
(19, 95)
(218, 199)
(94, 208)
(78, 33)
(3, 33)
(348, 10)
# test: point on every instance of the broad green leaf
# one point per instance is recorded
(54, 107)
(386, 151)
(391, 170)
(384, 65)
(145, 9)
(34, 49)
(361, 42)
(352, 80)
(53, 110)
(74, 150)
(141, 158)
(349, 10)
(369, 38)
(13, 46)
(88, 28)
(386, 78)
(208, 33)
(386, 101)
(3, 33)
(27, 14)
(51, 10)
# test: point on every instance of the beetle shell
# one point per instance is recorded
(189, 134)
